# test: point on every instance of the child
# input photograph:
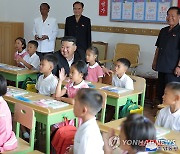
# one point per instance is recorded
(135, 128)
(169, 117)
(8, 139)
(95, 72)
(31, 61)
(120, 79)
(20, 45)
(88, 139)
(77, 75)
(47, 82)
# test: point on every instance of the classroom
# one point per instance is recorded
(114, 28)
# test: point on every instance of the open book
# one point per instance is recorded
(50, 103)
(115, 89)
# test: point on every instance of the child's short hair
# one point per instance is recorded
(3, 85)
(46, 5)
(125, 61)
(35, 43)
(175, 86)
(81, 67)
(69, 39)
(94, 50)
(138, 127)
(77, 2)
(91, 98)
(50, 58)
(23, 41)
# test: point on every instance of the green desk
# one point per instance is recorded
(18, 75)
(117, 100)
(47, 116)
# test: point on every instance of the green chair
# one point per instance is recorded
(24, 115)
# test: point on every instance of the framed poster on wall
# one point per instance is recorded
(139, 10)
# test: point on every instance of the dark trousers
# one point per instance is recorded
(41, 55)
(163, 79)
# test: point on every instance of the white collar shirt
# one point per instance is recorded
(124, 82)
(88, 139)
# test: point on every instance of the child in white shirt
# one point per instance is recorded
(47, 82)
(120, 79)
(169, 117)
(31, 61)
(88, 139)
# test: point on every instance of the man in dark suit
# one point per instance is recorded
(79, 26)
(67, 55)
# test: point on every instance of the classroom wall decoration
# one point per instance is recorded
(139, 10)
(103, 7)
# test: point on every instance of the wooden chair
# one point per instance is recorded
(24, 115)
(102, 47)
(128, 51)
(103, 110)
(57, 44)
(140, 85)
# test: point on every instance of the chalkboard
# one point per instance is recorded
(139, 10)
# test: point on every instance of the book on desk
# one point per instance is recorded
(115, 89)
(10, 67)
(21, 95)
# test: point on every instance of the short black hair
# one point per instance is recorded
(125, 61)
(35, 43)
(69, 39)
(23, 41)
(174, 8)
(94, 50)
(91, 98)
(81, 67)
(77, 2)
(50, 58)
(138, 127)
(46, 5)
(175, 86)
(3, 85)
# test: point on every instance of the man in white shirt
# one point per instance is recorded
(45, 31)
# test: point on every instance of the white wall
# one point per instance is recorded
(26, 10)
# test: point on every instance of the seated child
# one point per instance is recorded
(135, 127)
(120, 79)
(8, 139)
(47, 82)
(88, 139)
(95, 72)
(20, 46)
(169, 117)
(78, 72)
(31, 61)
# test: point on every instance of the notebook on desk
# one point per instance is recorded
(115, 89)
(50, 103)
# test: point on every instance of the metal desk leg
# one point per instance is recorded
(47, 138)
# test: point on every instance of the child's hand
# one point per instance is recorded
(19, 59)
(107, 71)
(62, 75)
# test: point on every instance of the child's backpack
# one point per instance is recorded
(29, 84)
(63, 139)
(128, 107)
